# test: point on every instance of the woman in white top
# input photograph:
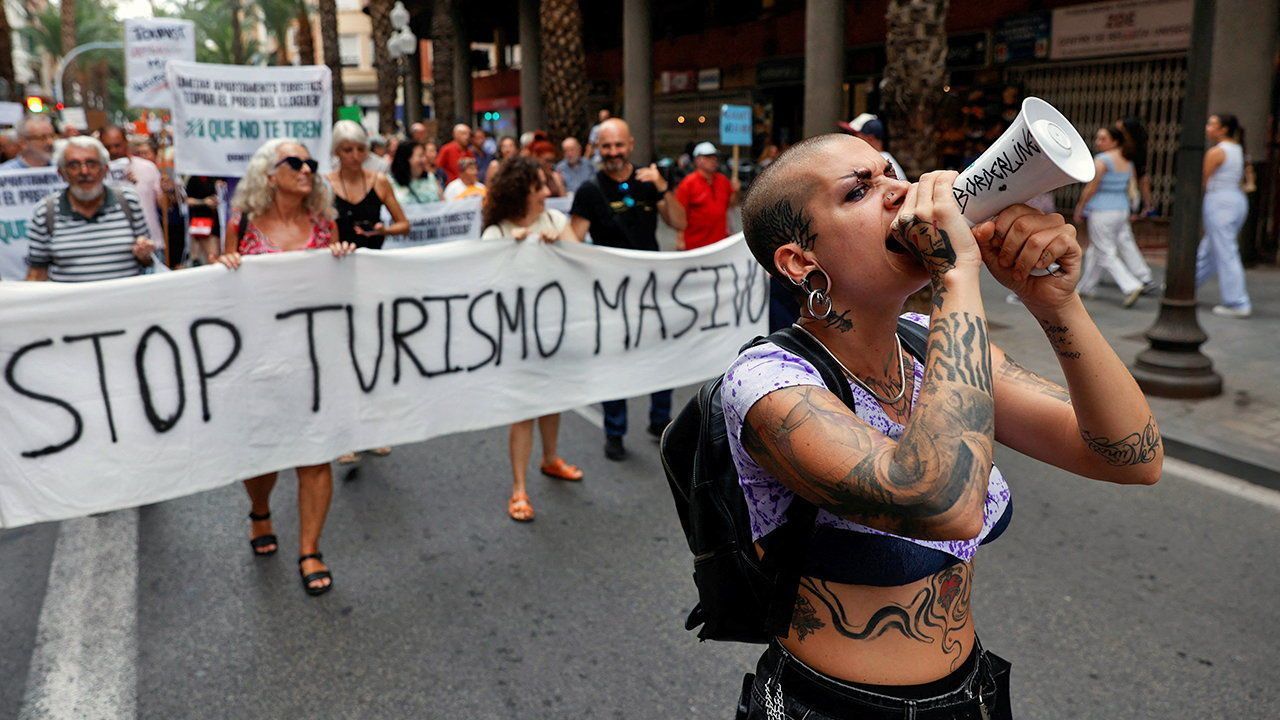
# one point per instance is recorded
(515, 208)
(1225, 210)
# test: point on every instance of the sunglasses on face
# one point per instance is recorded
(296, 163)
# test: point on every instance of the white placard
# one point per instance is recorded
(223, 113)
(74, 117)
(1123, 27)
(125, 392)
(21, 191)
(437, 222)
(149, 43)
(10, 113)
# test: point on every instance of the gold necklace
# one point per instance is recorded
(902, 369)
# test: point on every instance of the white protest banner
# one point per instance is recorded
(223, 113)
(437, 222)
(149, 43)
(134, 391)
(20, 192)
(451, 220)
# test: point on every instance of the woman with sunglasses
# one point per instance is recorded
(280, 206)
(360, 194)
(515, 208)
(900, 482)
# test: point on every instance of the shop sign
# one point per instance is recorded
(968, 50)
(1124, 27)
(678, 81)
(1022, 37)
(709, 79)
(780, 72)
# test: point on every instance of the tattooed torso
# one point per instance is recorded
(902, 635)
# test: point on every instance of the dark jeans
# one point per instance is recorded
(615, 413)
(784, 688)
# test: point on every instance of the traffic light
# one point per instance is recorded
(492, 116)
(35, 104)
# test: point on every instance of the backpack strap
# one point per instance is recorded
(51, 212)
(915, 338)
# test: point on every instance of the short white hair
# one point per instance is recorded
(255, 194)
(349, 131)
(84, 142)
(526, 139)
(25, 129)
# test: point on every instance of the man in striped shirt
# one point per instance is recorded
(88, 231)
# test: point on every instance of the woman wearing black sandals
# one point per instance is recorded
(281, 206)
(902, 477)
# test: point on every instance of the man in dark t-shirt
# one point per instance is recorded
(620, 208)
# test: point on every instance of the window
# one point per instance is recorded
(349, 50)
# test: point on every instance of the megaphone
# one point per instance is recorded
(1040, 152)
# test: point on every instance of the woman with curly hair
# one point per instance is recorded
(515, 209)
(280, 206)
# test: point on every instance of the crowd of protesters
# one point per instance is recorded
(96, 229)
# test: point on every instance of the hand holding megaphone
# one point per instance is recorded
(1040, 152)
(1021, 244)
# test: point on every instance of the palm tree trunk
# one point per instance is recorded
(384, 65)
(332, 57)
(67, 12)
(564, 69)
(237, 34)
(915, 72)
(7, 76)
(306, 40)
(443, 38)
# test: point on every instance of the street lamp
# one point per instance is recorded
(402, 45)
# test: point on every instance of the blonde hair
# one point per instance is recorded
(255, 193)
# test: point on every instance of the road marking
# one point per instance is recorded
(592, 415)
(1222, 482)
(86, 657)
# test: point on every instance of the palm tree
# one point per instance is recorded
(215, 35)
(386, 68)
(564, 68)
(332, 56)
(277, 17)
(444, 35)
(914, 74)
(94, 22)
(306, 40)
(7, 76)
(237, 34)
(67, 14)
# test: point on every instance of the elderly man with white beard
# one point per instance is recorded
(88, 231)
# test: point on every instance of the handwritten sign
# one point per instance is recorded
(735, 124)
(223, 113)
(149, 43)
(130, 380)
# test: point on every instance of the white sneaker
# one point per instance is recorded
(1230, 312)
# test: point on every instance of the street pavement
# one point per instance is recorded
(1111, 602)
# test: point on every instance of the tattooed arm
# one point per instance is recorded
(932, 483)
(1103, 428)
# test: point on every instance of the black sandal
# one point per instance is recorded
(320, 575)
(263, 540)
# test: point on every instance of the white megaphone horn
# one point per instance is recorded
(1040, 152)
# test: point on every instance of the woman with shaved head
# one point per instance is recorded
(903, 479)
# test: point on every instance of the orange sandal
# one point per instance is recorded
(519, 508)
(561, 470)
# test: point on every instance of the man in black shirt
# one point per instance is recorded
(620, 208)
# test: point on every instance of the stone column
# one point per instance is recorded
(413, 88)
(530, 67)
(1244, 46)
(462, 103)
(637, 76)
(823, 65)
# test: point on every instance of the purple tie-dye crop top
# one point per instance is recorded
(764, 368)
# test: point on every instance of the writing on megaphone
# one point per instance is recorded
(1040, 152)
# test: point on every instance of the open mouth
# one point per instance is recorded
(893, 245)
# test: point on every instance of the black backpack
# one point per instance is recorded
(741, 596)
